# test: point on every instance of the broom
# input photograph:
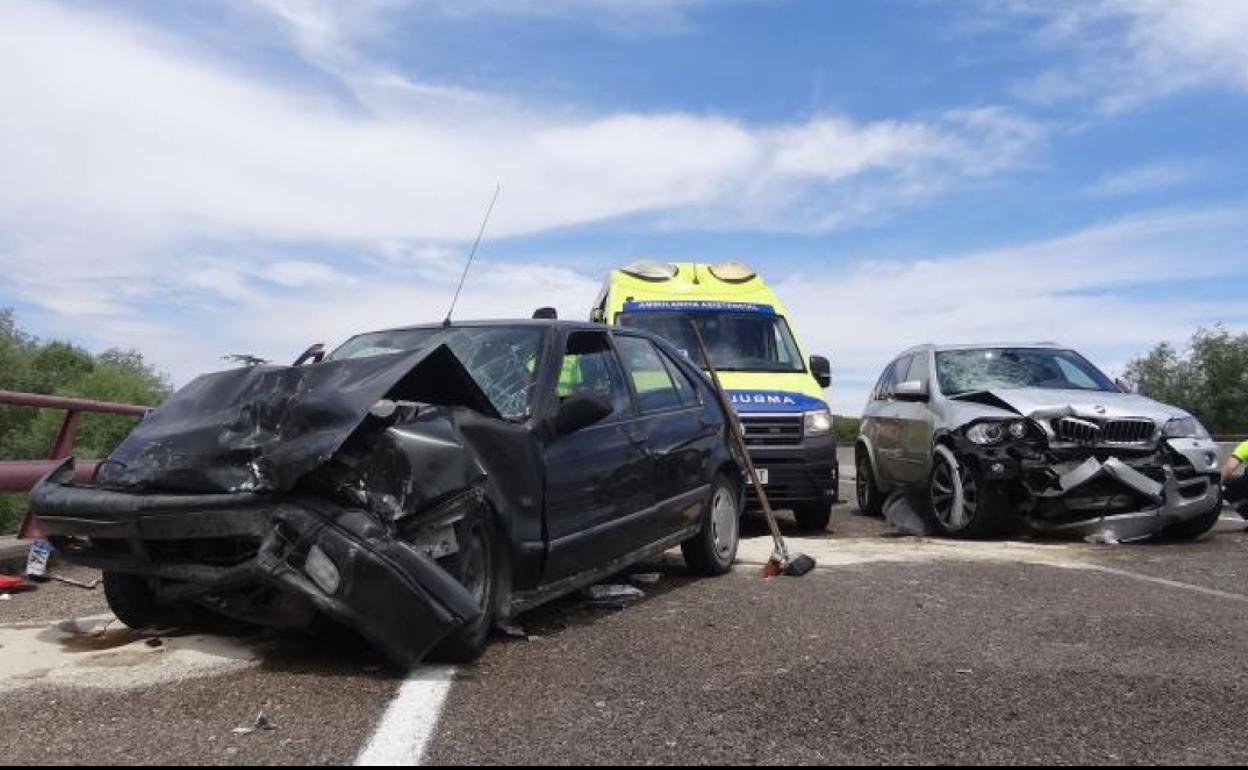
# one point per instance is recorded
(781, 562)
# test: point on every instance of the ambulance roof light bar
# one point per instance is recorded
(648, 270)
(733, 272)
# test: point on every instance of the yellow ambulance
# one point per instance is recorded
(777, 391)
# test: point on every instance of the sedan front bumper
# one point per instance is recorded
(217, 550)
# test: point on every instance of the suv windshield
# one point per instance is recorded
(964, 371)
(736, 342)
(504, 361)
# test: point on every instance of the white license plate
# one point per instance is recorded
(762, 476)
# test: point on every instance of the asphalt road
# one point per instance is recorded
(895, 650)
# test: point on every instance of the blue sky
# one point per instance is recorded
(201, 178)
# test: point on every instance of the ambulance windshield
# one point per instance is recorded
(736, 342)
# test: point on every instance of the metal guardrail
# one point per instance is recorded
(20, 475)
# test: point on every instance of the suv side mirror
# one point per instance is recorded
(579, 411)
(911, 390)
(1125, 386)
(821, 368)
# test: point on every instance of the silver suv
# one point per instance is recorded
(992, 438)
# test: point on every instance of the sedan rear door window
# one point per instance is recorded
(651, 381)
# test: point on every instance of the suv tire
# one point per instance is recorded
(985, 508)
(870, 498)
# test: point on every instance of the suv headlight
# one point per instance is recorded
(1185, 427)
(817, 423)
(993, 433)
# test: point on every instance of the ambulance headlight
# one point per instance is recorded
(817, 423)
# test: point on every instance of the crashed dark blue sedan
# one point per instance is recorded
(417, 485)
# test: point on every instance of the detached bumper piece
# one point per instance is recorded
(263, 562)
(1114, 501)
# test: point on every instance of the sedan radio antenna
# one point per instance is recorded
(447, 321)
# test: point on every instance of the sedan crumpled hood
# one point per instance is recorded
(261, 428)
(1041, 401)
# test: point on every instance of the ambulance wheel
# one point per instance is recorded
(813, 517)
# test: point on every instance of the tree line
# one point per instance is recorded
(1208, 379)
(30, 365)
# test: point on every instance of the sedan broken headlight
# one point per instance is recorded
(1185, 427)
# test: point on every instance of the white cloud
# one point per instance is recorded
(123, 148)
(1147, 178)
(297, 273)
(149, 194)
(1129, 51)
(1103, 290)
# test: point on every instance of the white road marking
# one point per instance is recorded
(1166, 582)
(404, 731)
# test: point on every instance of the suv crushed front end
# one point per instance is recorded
(1083, 469)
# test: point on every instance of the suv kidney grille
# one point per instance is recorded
(772, 430)
(1077, 430)
(1128, 431)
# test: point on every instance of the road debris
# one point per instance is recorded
(645, 578)
(262, 724)
(37, 558)
(513, 630)
(612, 595)
(94, 584)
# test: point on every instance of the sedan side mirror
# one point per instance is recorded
(911, 390)
(314, 353)
(821, 368)
(579, 411)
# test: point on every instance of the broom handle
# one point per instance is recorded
(730, 415)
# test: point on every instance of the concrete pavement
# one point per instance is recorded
(896, 649)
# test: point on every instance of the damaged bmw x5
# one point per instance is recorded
(989, 440)
(417, 485)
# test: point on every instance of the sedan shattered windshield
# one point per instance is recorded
(501, 360)
(966, 371)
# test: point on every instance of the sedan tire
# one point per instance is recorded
(713, 550)
(132, 600)
(478, 565)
